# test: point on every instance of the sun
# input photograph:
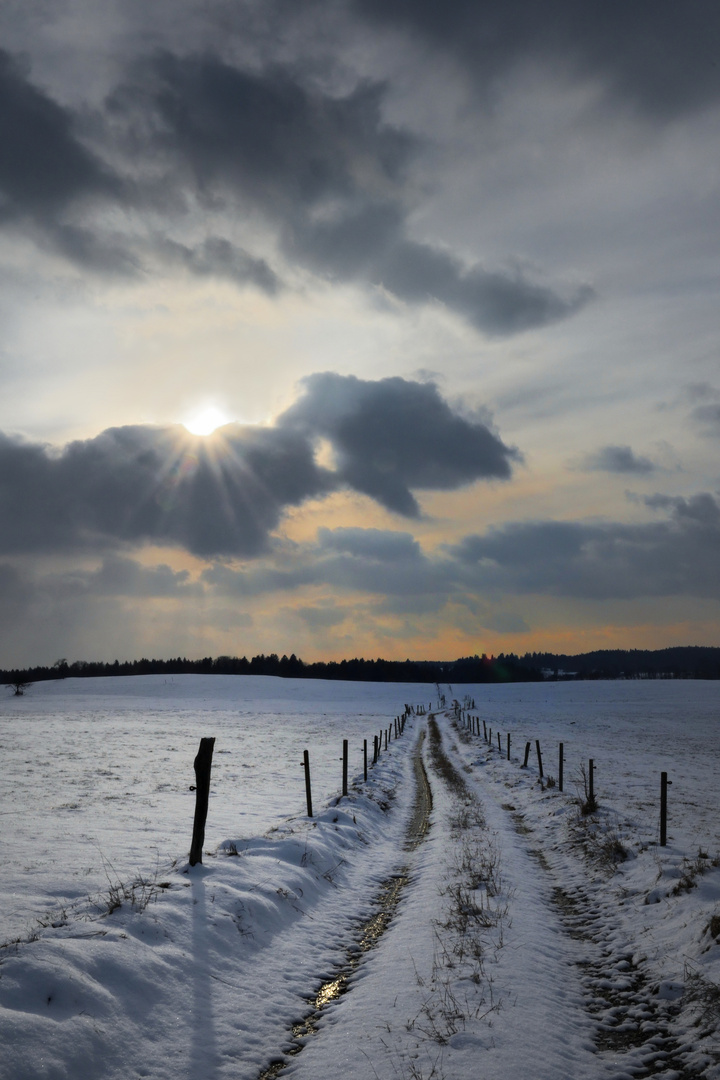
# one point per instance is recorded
(206, 421)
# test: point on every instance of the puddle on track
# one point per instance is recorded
(369, 932)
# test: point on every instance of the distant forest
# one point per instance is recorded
(683, 662)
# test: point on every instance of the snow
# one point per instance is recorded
(518, 947)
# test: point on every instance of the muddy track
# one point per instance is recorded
(632, 1025)
(368, 933)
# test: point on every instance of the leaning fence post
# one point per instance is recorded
(308, 792)
(499, 744)
(345, 765)
(539, 757)
(663, 807)
(484, 731)
(202, 766)
(561, 762)
(375, 749)
(527, 755)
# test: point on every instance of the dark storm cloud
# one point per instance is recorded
(47, 174)
(371, 245)
(656, 55)
(327, 171)
(677, 556)
(618, 459)
(262, 133)
(154, 485)
(135, 485)
(43, 165)
(393, 435)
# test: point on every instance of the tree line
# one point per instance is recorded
(474, 669)
(682, 662)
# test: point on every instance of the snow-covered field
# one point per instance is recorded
(520, 945)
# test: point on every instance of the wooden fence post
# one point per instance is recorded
(561, 762)
(308, 791)
(499, 744)
(508, 745)
(663, 808)
(539, 757)
(202, 766)
(345, 765)
(527, 755)
(365, 758)
(591, 782)
(485, 731)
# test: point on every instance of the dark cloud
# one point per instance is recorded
(217, 257)
(322, 618)
(265, 134)
(618, 459)
(43, 166)
(380, 545)
(654, 55)
(136, 485)
(393, 435)
(708, 416)
(155, 485)
(327, 171)
(118, 576)
(370, 245)
(677, 556)
(371, 561)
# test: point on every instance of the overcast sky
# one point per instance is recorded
(443, 276)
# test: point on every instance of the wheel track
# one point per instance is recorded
(369, 931)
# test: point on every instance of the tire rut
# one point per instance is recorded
(629, 1019)
(369, 931)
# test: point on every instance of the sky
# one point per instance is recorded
(441, 279)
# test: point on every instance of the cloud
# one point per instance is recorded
(322, 618)
(118, 576)
(618, 459)
(610, 560)
(261, 133)
(709, 416)
(370, 244)
(43, 167)
(650, 55)
(226, 495)
(217, 257)
(154, 485)
(394, 435)
(326, 171)
(380, 545)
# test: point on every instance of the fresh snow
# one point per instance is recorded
(519, 947)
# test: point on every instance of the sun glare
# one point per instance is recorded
(206, 421)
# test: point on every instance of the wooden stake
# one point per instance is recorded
(202, 766)
(365, 759)
(508, 745)
(561, 762)
(663, 808)
(527, 755)
(539, 757)
(308, 791)
(345, 765)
